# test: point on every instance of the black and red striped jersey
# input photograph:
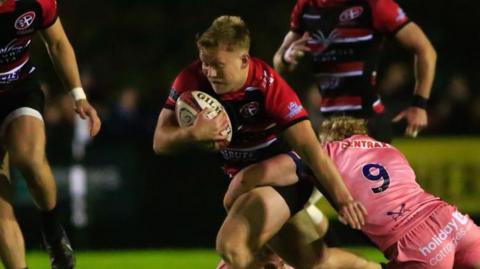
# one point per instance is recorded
(259, 111)
(19, 20)
(347, 37)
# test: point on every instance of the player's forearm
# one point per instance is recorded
(65, 63)
(278, 63)
(425, 62)
(326, 174)
(172, 139)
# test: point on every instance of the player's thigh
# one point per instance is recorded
(254, 218)
(6, 210)
(298, 242)
(25, 137)
(280, 170)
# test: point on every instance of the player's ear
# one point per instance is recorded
(245, 59)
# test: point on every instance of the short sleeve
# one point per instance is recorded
(187, 80)
(283, 104)
(296, 15)
(388, 16)
(49, 12)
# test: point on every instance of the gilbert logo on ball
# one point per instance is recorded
(190, 103)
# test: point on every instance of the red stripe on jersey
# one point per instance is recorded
(7, 67)
(49, 11)
(341, 101)
(352, 32)
(8, 6)
(340, 67)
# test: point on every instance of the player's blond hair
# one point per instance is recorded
(341, 127)
(225, 30)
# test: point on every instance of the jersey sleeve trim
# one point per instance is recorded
(400, 27)
(168, 106)
(50, 23)
(291, 123)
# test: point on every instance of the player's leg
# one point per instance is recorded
(315, 214)
(12, 245)
(25, 142)
(299, 244)
(279, 170)
(252, 221)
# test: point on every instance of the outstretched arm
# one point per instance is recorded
(302, 139)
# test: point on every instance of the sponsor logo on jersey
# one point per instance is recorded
(351, 14)
(446, 238)
(233, 155)
(267, 79)
(250, 109)
(363, 144)
(294, 109)
(329, 83)
(401, 15)
(462, 219)
(25, 20)
(13, 48)
(173, 94)
(399, 213)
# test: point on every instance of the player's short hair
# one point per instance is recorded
(225, 30)
(341, 127)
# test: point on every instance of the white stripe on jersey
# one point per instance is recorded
(352, 39)
(341, 74)
(340, 108)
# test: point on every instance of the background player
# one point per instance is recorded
(344, 39)
(22, 132)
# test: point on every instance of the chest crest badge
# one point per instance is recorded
(25, 20)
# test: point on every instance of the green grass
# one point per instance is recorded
(161, 259)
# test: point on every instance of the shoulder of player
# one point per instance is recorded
(190, 78)
(264, 76)
(191, 72)
(47, 4)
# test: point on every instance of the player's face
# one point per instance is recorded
(226, 70)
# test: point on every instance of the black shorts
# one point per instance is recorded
(297, 195)
(23, 98)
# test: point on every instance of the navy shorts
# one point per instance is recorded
(297, 195)
(22, 98)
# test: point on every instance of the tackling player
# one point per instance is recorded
(413, 228)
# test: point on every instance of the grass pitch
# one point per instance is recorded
(158, 259)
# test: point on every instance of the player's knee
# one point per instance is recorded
(234, 254)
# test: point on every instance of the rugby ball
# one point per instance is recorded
(190, 103)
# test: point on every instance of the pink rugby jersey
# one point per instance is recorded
(378, 175)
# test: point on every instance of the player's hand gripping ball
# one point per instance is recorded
(190, 103)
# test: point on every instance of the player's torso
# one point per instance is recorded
(380, 177)
(344, 50)
(255, 133)
(19, 20)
